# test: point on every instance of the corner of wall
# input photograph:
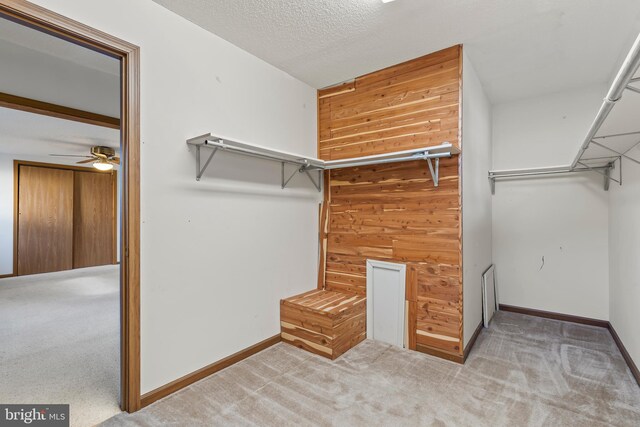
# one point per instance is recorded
(476, 195)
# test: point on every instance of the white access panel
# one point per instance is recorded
(386, 302)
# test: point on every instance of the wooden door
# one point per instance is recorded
(94, 233)
(45, 220)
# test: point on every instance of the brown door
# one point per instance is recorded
(45, 220)
(94, 219)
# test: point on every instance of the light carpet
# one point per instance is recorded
(523, 371)
(60, 341)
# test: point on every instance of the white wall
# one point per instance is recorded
(7, 204)
(476, 195)
(563, 219)
(32, 74)
(217, 255)
(624, 257)
(6, 214)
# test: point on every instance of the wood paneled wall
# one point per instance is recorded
(45, 215)
(393, 212)
(65, 217)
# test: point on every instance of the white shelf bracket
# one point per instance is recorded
(607, 175)
(302, 169)
(286, 181)
(307, 165)
(434, 171)
(199, 170)
(318, 184)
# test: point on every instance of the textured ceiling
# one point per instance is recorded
(520, 48)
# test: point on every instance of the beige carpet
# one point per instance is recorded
(59, 341)
(524, 371)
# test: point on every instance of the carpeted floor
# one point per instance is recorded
(60, 341)
(523, 371)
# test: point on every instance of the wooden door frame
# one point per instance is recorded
(39, 18)
(16, 201)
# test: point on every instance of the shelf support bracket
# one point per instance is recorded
(434, 171)
(606, 174)
(303, 169)
(199, 170)
(286, 181)
(318, 184)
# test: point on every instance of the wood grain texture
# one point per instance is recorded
(323, 322)
(45, 220)
(60, 26)
(323, 233)
(393, 212)
(58, 111)
(94, 211)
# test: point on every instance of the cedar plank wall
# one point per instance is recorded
(392, 212)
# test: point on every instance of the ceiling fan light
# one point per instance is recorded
(102, 165)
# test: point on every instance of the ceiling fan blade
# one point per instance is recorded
(115, 160)
(86, 161)
(69, 155)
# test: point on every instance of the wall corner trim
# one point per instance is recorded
(182, 382)
(556, 316)
(625, 354)
(472, 341)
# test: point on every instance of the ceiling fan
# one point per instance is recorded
(103, 158)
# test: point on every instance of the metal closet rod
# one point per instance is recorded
(417, 156)
(552, 170)
(305, 165)
(620, 83)
(445, 149)
(251, 153)
(507, 174)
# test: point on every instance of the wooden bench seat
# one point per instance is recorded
(324, 322)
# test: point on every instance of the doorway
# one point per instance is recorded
(42, 20)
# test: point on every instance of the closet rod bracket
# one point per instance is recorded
(435, 172)
(318, 184)
(302, 169)
(200, 170)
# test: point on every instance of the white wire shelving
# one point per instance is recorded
(308, 165)
(606, 142)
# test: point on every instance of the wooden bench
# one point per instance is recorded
(324, 322)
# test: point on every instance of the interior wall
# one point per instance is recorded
(37, 75)
(6, 215)
(550, 238)
(393, 212)
(476, 195)
(624, 253)
(7, 204)
(216, 255)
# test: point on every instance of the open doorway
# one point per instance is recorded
(60, 295)
(69, 267)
